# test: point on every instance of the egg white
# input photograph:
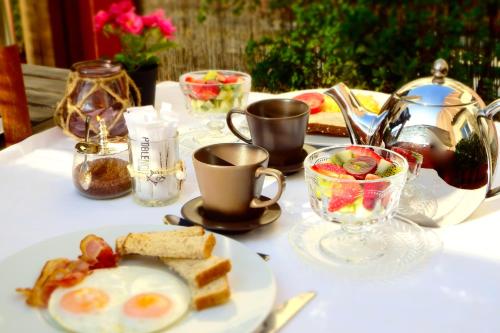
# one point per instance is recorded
(169, 285)
(121, 284)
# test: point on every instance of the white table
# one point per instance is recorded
(456, 290)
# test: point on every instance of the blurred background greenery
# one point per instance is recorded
(298, 44)
(377, 45)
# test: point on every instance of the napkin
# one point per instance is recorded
(154, 152)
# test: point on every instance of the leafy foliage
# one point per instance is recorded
(378, 45)
(141, 50)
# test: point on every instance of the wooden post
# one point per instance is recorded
(37, 33)
(13, 104)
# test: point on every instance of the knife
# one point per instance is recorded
(283, 313)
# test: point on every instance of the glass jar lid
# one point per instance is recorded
(95, 148)
(439, 90)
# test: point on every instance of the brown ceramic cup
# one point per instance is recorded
(278, 125)
(230, 177)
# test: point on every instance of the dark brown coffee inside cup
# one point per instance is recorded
(230, 155)
(278, 108)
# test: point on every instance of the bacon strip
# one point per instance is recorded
(62, 272)
(55, 273)
(97, 253)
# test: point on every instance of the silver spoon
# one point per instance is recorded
(85, 176)
(87, 147)
(177, 220)
(171, 219)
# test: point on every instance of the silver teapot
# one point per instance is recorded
(447, 123)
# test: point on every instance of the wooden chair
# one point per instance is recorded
(13, 103)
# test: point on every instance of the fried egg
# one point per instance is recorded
(124, 299)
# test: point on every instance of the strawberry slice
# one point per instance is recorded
(372, 191)
(343, 194)
(411, 156)
(314, 100)
(414, 159)
(408, 154)
(329, 169)
(230, 79)
(205, 92)
(363, 151)
(191, 79)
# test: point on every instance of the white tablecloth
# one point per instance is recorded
(456, 290)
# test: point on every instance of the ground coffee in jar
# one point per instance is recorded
(103, 174)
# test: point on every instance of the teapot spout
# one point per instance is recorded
(362, 125)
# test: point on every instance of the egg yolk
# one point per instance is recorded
(147, 305)
(84, 300)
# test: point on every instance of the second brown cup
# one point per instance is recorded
(278, 125)
(230, 177)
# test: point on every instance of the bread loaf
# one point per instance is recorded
(199, 272)
(171, 244)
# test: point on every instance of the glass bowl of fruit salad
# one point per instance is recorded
(215, 91)
(359, 187)
(211, 94)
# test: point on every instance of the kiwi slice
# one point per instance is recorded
(391, 171)
(344, 155)
(383, 166)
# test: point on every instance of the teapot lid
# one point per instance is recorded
(439, 90)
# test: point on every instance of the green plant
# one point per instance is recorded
(378, 45)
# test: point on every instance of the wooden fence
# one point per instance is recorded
(217, 42)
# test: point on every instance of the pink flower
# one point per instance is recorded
(153, 18)
(100, 19)
(167, 28)
(119, 8)
(130, 22)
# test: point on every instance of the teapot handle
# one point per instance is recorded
(490, 112)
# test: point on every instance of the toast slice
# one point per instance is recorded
(189, 231)
(327, 123)
(214, 293)
(199, 272)
(184, 231)
(171, 244)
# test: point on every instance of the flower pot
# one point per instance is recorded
(145, 79)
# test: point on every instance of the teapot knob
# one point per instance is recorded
(439, 71)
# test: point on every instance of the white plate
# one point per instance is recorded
(326, 140)
(252, 283)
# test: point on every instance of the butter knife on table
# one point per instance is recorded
(284, 312)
